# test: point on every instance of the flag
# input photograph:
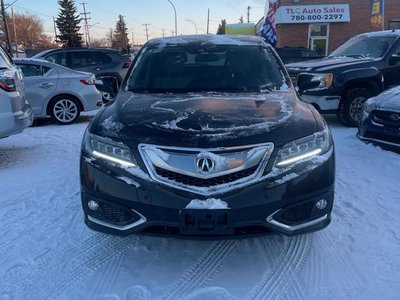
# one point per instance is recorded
(377, 13)
(268, 31)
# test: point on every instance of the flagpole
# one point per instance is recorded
(383, 15)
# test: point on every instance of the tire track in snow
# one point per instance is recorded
(48, 265)
(204, 269)
(58, 283)
(271, 285)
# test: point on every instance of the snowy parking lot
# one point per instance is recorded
(46, 251)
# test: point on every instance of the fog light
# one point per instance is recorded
(93, 205)
(321, 204)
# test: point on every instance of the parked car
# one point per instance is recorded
(15, 112)
(296, 54)
(361, 68)
(58, 92)
(99, 61)
(380, 122)
(207, 137)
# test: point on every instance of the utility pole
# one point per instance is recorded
(3, 13)
(208, 21)
(55, 29)
(163, 33)
(248, 14)
(133, 40)
(86, 26)
(147, 30)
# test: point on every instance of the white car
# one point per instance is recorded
(15, 112)
(58, 92)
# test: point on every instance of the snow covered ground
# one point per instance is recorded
(46, 252)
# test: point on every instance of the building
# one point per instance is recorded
(323, 25)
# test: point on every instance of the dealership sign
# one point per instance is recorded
(313, 14)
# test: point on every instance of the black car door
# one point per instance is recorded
(391, 72)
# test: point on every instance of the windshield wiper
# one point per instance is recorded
(349, 55)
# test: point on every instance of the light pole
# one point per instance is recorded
(176, 20)
(191, 21)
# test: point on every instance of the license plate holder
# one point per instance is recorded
(206, 222)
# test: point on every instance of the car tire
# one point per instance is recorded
(108, 97)
(64, 109)
(351, 106)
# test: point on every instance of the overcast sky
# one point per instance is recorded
(158, 13)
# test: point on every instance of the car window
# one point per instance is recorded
(87, 58)
(191, 68)
(30, 70)
(365, 46)
(57, 58)
(46, 70)
(5, 62)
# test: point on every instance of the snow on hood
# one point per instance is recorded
(388, 100)
(210, 203)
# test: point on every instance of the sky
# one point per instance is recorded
(158, 13)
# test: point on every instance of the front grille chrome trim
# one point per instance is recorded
(261, 161)
(119, 227)
(291, 228)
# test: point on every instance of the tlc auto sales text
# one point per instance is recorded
(326, 10)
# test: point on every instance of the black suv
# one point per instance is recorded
(359, 69)
(296, 54)
(99, 61)
(207, 137)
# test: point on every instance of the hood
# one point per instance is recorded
(388, 100)
(206, 120)
(326, 63)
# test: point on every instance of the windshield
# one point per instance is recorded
(206, 68)
(365, 46)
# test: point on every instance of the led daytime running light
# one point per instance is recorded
(123, 163)
(300, 157)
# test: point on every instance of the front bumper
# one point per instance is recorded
(387, 137)
(129, 204)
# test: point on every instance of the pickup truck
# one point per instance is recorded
(340, 83)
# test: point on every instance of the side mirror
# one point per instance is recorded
(394, 59)
(307, 81)
(107, 85)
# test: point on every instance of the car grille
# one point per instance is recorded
(199, 182)
(387, 118)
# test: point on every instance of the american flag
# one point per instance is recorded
(268, 31)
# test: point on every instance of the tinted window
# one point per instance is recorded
(57, 58)
(365, 46)
(87, 58)
(30, 70)
(191, 68)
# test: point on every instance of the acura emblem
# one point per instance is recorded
(205, 164)
(394, 117)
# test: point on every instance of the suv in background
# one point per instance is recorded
(15, 112)
(359, 69)
(99, 61)
(295, 54)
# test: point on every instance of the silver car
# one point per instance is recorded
(58, 92)
(15, 112)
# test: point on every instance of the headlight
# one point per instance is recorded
(304, 148)
(324, 79)
(110, 151)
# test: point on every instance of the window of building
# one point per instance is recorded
(394, 24)
(318, 35)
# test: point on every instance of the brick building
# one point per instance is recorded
(323, 25)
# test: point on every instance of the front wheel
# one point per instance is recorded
(64, 110)
(351, 106)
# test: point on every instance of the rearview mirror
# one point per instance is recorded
(394, 59)
(108, 85)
